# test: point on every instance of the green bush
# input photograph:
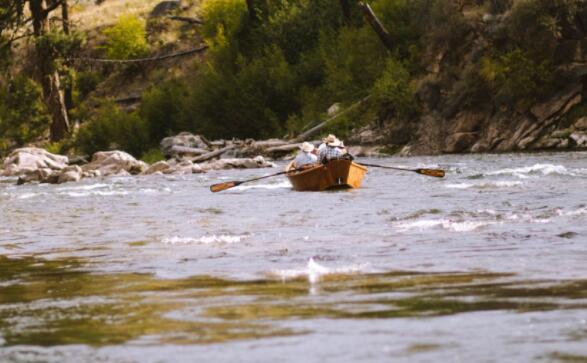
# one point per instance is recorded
(395, 90)
(516, 78)
(254, 101)
(86, 82)
(163, 109)
(126, 39)
(111, 128)
(23, 116)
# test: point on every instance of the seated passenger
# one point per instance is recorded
(331, 148)
(306, 156)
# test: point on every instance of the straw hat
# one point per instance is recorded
(328, 139)
(335, 143)
(307, 147)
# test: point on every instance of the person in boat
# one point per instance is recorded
(332, 148)
(306, 156)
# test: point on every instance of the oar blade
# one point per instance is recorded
(215, 188)
(437, 173)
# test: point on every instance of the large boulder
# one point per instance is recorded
(173, 145)
(30, 159)
(114, 163)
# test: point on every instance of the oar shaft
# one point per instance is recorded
(437, 173)
(388, 167)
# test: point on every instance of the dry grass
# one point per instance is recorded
(90, 16)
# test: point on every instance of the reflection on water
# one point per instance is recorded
(486, 265)
(58, 303)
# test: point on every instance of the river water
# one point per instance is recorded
(486, 265)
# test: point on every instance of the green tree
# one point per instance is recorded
(126, 39)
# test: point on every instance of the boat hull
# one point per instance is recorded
(336, 174)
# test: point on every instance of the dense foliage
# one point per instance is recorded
(276, 70)
(23, 117)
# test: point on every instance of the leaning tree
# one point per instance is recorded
(17, 23)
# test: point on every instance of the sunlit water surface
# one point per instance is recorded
(486, 265)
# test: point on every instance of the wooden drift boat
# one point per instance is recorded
(336, 174)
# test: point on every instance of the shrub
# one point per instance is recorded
(163, 109)
(394, 89)
(126, 39)
(516, 78)
(86, 82)
(112, 128)
(23, 116)
(253, 101)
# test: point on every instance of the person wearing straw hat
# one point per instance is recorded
(306, 156)
(331, 148)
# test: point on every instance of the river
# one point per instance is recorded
(486, 265)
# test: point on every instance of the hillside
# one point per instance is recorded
(420, 77)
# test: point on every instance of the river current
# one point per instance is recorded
(488, 264)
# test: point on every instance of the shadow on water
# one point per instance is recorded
(57, 302)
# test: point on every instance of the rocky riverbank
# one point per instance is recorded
(184, 154)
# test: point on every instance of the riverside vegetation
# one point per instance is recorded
(444, 76)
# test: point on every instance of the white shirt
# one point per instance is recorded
(304, 158)
(330, 152)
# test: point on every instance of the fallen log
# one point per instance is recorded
(213, 154)
(182, 150)
(316, 129)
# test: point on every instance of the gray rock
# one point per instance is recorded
(158, 167)
(185, 140)
(30, 159)
(580, 138)
(581, 124)
(115, 163)
(71, 173)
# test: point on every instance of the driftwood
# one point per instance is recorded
(283, 148)
(213, 154)
(377, 25)
(177, 149)
(314, 130)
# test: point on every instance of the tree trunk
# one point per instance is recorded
(346, 10)
(377, 26)
(46, 74)
(67, 90)
(251, 9)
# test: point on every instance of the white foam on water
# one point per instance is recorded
(314, 271)
(283, 184)
(206, 240)
(485, 185)
(526, 171)
(29, 195)
(455, 226)
(83, 187)
(459, 186)
(571, 213)
(95, 193)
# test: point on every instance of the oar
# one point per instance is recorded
(231, 184)
(438, 173)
